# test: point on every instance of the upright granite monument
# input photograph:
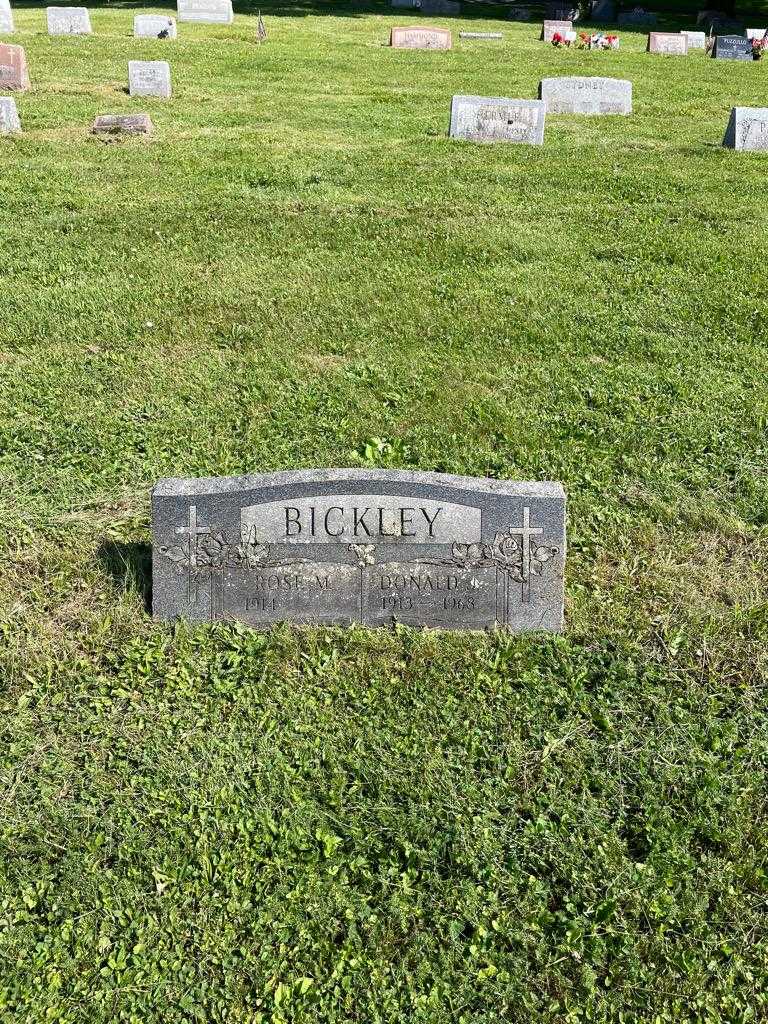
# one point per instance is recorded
(154, 26)
(671, 44)
(418, 38)
(374, 547)
(550, 28)
(9, 116)
(497, 119)
(208, 12)
(6, 16)
(733, 48)
(577, 95)
(747, 129)
(149, 78)
(68, 21)
(14, 75)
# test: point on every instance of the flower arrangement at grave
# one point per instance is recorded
(758, 45)
(597, 41)
(558, 39)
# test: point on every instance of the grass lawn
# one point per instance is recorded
(298, 270)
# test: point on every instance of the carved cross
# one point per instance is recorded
(194, 531)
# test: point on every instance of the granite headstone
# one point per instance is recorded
(576, 95)
(154, 26)
(451, 7)
(208, 12)
(549, 28)
(419, 38)
(696, 40)
(497, 119)
(637, 16)
(6, 16)
(346, 546)
(149, 78)
(68, 21)
(747, 129)
(115, 125)
(671, 44)
(9, 116)
(732, 48)
(756, 33)
(14, 75)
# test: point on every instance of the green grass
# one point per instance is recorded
(300, 269)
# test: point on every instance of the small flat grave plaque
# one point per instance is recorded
(9, 116)
(578, 95)
(14, 75)
(154, 26)
(68, 21)
(696, 40)
(550, 28)
(418, 38)
(149, 78)
(672, 44)
(115, 125)
(732, 48)
(748, 129)
(211, 12)
(480, 35)
(497, 119)
(6, 16)
(373, 547)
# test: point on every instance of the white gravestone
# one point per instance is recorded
(755, 33)
(68, 21)
(696, 40)
(747, 129)
(6, 16)
(577, 95)
(149, 78)
(211, 12)
(9, 116)
(497, 119)
(154, 26)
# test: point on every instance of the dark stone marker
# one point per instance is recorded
(375, 547)
(122, 124)
(733, 48)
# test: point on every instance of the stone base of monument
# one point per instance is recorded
(747, 129)
(373, 547)
(9, 116)
(111, 127)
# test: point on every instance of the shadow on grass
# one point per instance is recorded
(130, 567)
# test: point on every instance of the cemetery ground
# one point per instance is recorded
(300, 269)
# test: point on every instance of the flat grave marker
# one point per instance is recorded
(6, 16)
(420, 38)
(550, 28)
(14, 75)
(374, 547)
(149, 78)
(747, 129)
(732, 48)
(207, 12)
(9, 116)
(115, 125)
(68, 21)
(671, 44)
(497, 119)
(480, 35)
(154, 26)
(581, 95)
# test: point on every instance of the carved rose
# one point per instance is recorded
(469, 555)
(507, 552)
(365, 553)
(212, 550)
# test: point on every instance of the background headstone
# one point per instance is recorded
(419, 38)
(696, 40)
(497, 119)
(369, 546)
(429, 6)
(68, 21)
(755, 33)
(122, 124)
(9, 116)
(13, 68)
(603, 10)
(149, 78)
(549, 28)
(561, 12)
(673, 44)
(520, 14)
(576, 95)
(638, 16)
(154, 26)
(747, 129)
(6, 16)
(733, 48)
(210, 12)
